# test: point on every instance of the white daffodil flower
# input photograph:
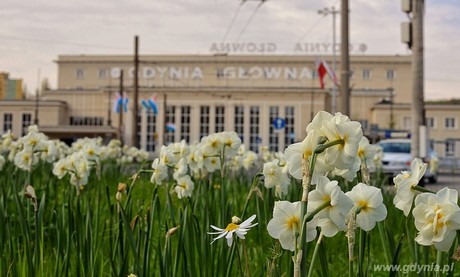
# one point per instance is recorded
(340, 127)
(285, 225)
(25, 160)
(331, 219)
(367, 151)
(304, 150)
(437, 217)
(369, 201)
(233, 228)
(184, 187)
(160, 172)
(404, 184)
(275, 176)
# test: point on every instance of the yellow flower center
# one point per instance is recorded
(293, 223)
(232, 227)
(437, 223)
(363, 204)
(307, 154)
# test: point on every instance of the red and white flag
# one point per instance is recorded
(323, 68)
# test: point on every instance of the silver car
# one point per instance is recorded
(397, 158)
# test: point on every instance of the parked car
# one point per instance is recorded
(397, 158)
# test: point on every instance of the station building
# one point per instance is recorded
(267, 99)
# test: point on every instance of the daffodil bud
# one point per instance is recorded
(171, 231)
(121, 187)
(118, 196)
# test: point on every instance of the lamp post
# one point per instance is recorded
(392, 119)
(326, 11)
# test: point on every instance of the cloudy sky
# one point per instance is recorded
(34, 32)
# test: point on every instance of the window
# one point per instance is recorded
(102, 73)
(430, 123)
(407, 123)
(390, 74)
(185, 123)
(450, 148)
(220, 119)
(273, 139)
(450, 123)
(239, 121)
(26, 121)
(314, 74)
(80, 73)
(364, 123)
(366, 74)
(289, 134)
(254, 138)
(86, 121)
(170, 124)
(204, 121)
(151, 131)
(220, 73)
(7, 122)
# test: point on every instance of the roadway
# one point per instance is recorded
(446, 180)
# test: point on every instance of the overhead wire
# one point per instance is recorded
(313, 26)
(59, 42)
(233, 21)
(249, 20)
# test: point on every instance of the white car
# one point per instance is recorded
(397, 158)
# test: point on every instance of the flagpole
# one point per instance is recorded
(120, 118)
(334, 12)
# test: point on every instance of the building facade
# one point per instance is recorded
(267, 100)
(10, 88)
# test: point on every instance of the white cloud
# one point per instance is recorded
(37, 32)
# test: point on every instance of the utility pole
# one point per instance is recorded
(109, 108)
(120, 107)
(135, 127)
(334, 12)
(418, 103)
(37, 96)
(345, 60)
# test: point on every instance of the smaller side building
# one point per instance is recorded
(10, 88)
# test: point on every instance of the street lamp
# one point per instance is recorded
(392, 120)
(326, 11)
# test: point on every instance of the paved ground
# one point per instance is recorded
(446, 180)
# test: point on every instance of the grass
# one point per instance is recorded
(150, 232)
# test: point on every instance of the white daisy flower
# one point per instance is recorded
(233, 228)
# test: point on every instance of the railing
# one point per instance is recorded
(449, 165)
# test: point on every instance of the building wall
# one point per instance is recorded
(194, 71)
(16, 115)
(205, 94)
(443, 124)
(10, 88)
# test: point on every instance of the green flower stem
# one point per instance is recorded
(439, 263)
(320, 148)
(309, 217)
(255, 182)
(362, 246)
(315, 253)
(308, 168)
(422, 189)
(245, 253)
